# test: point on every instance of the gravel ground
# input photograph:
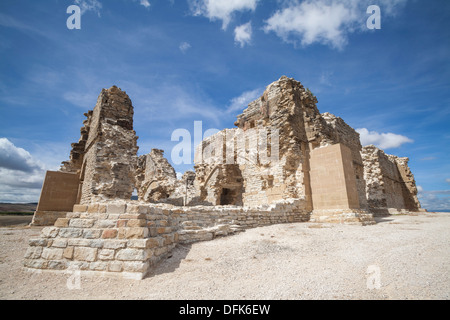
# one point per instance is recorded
(401, 257)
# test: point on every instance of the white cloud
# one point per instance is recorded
(241, 102)
(14, 158)
(447, 180)
(436, 200)
(89, 5)
(382, 140)
(145, 3)
(21, 175)
(328, 22)
(243, 34)
(221, 9)
(185, 46)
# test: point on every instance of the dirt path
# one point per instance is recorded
(401, 257)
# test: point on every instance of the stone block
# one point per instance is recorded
(109, 234)
(122, 223)
(93, 208)
(137, 223)
(106, 224)
(81, 223)
(57, 265)
(80, 208)
(35, 264)
(106, 254)
(138, 243)
(98, 266)
(33, 253)
(133, 233)
(96, 243)
(92, 233)
(136, 266)
(85, 254)
(153, 243)
(62, 223)
(59, 243)
(73, 215)
(50, 232)
(114, 244)
(115, 266)
(37, 242)
(70, 233)
(68, 253)
(133, 255)
(129, 216)
(79, 242)
(116, 208)
(52, 253)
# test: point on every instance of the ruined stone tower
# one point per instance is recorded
(110, 155)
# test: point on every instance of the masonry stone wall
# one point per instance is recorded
(127, 239)
(111, 149)
(390, 184)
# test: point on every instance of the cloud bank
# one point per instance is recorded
(382, 140)
(327, 22)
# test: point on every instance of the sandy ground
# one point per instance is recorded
(401, 257)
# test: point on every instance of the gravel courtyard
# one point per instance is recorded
(401, 257)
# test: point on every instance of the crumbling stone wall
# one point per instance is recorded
(265, 177)
(111, 149)
(290, 110)
(156, 181)
(390, 185)
(78, 149)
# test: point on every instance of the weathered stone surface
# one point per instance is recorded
(50, 232)
(52, 254)
(68, 253)
(70, 232)
(109, 234)
(132, 255)
(389, 182)
(106, 254)
(85, 254)
(62, 223)
(33, 253)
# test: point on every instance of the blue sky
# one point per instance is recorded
(182, 61)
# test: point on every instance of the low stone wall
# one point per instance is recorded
(206, 223)
(105, 238)
(128, 238)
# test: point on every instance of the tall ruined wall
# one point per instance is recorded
(111, 149)
(288, 109)
(340, 132)
(277, 171)
(389, 182)
(409, 185)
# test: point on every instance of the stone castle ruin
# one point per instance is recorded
(308, 167)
